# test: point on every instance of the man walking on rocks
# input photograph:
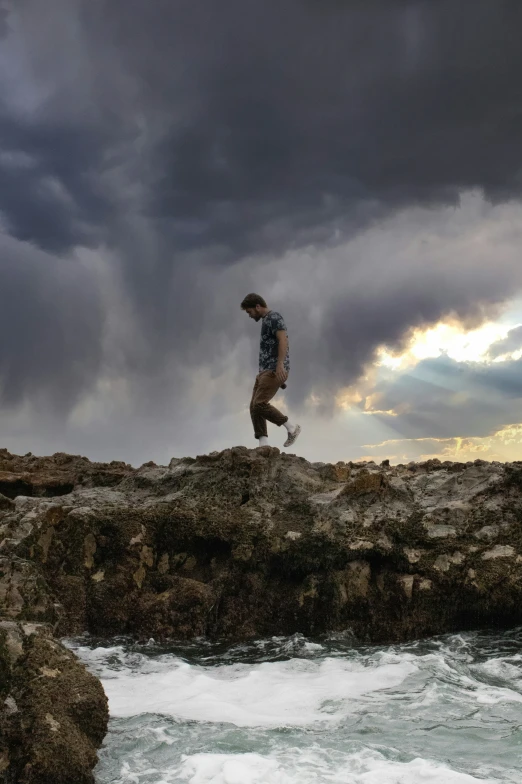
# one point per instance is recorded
(274, 366)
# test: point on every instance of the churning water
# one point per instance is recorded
(297, 711)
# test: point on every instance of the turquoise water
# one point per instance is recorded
(300, 711)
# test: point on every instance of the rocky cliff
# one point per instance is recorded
(246, 543)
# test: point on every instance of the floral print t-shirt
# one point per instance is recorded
(268, 347)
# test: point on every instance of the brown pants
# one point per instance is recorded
(261, 411)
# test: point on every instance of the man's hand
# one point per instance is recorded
(280, 373)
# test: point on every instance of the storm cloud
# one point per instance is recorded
(357, 163)
(51, 326)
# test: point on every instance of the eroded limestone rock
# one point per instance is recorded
(111, 558)
(246, 543)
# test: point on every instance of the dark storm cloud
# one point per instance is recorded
(182, 138)
(297, 111)
(4, 27)
(48, 189)
(51, 328)
(307, 110)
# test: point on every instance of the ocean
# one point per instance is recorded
(294, 710)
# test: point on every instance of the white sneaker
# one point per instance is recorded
(292, 437)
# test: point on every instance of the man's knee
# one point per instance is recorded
(258, 408)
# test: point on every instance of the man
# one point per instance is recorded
(274, 366)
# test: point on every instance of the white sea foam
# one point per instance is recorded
(313, 766)
(297, 692)
(507, 669)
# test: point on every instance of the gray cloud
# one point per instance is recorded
(411, 270)
(442, 398)
(51, 328)
(512, 342)
(238, 116)
(203, 150)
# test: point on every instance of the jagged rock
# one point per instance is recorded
(5, 503)
(54, 476)
(246, 543)
(23, 591)
(228, 543)
(53, 714)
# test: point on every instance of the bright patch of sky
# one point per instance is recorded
(360, 411)
(452, 339)
(503, 445)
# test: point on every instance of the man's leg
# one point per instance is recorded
(260, 409)
(258, 420)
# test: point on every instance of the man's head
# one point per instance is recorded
(255, 306)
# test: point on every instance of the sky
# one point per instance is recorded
(358, 164)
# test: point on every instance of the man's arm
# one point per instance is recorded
(282, 347)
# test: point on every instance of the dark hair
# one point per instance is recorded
(251, 300)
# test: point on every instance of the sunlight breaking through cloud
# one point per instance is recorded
(504, 444)
(453, 339)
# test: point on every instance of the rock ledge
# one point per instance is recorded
(237, 544)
